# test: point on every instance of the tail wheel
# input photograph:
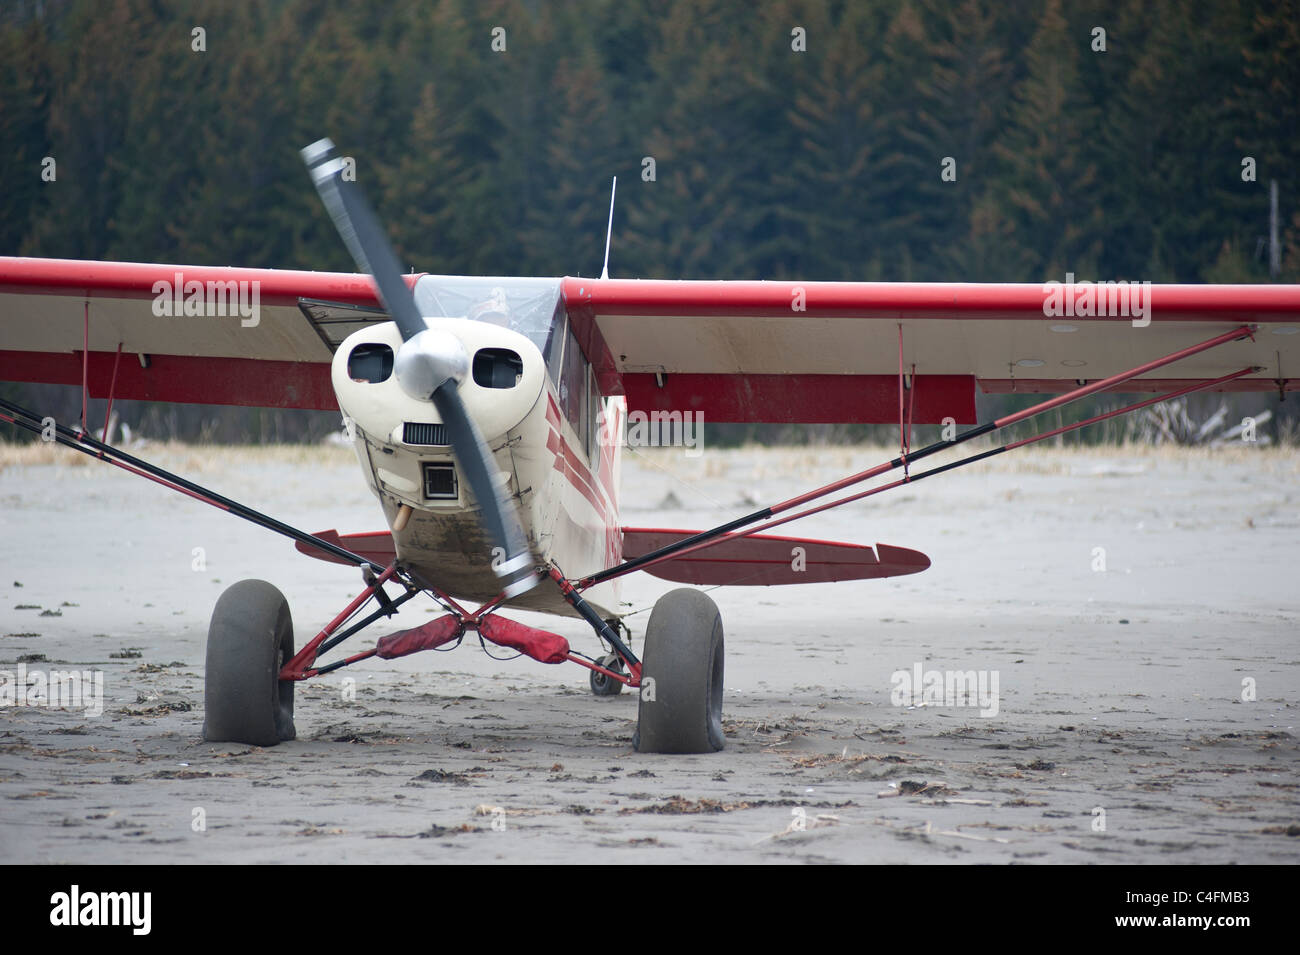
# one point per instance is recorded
(603, 685)
(249, 639)
(681, 676)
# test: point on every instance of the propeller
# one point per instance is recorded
(430, 364)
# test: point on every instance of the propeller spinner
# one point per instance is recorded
(430, 364)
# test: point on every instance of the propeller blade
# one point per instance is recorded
(363, 235)
(514, 563)
(369, 246)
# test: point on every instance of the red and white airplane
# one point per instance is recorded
(486, 414)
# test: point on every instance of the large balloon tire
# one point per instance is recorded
(249, 639)
(681, 710)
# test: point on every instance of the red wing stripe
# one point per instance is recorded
(182, 378)
(894, 300)
(135, 280)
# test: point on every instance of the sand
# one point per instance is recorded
(1121, 733)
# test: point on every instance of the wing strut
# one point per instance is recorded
(717, 533)
(83, 442)
(904, 425)
(912, 479)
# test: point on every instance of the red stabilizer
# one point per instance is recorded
(377, 546)
(425, 637)
(767, 560)
(542, 646)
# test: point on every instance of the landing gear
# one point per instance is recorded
(603, 685)
(681, 677)
(249, 640)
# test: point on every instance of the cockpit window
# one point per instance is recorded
(533, 307)
(573, 388)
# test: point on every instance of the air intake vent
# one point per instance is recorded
(440, 482)
(429, 435)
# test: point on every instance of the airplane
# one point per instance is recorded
(487, 416)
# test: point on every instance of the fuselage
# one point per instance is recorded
(533, 396)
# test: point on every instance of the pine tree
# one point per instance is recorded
(963, 81)
(420, 191)
(26, 77)
(852, 207)
(1169, 169)
(97, 47)
(1047, 165)
(1268, 95)
(690, 221)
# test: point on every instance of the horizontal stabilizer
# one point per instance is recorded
(757, 560)
(377, 547)
(767, 560)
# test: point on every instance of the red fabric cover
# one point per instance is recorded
(425, 637)
(538, 644)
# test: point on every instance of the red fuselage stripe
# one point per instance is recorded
(570, 464)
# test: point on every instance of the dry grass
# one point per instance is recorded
(750, 463)
(757, 463)
(188, 459)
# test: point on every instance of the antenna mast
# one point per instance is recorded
(609, 231)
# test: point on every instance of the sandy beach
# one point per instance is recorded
(1138, 611)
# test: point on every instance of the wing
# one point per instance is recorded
(182, 333)
(830, 351)
(736, 351)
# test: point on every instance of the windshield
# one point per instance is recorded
(530, 306)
